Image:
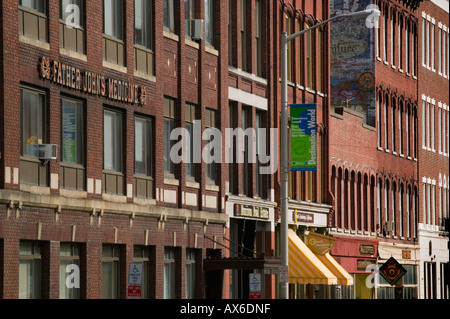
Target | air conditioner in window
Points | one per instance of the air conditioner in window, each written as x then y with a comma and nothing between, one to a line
389,226
47,151
196,29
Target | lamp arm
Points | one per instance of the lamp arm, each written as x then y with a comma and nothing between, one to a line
295,35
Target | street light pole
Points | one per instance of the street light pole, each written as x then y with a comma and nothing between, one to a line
284,149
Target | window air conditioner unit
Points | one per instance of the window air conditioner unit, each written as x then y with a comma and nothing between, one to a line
47,151
389,226
196,29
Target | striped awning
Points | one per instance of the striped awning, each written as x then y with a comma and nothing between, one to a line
344,278
305,267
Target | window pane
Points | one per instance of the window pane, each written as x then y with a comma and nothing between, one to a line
65,12
168,127
168,15
38,5
72,132
113,18
112,141
143,23
143,147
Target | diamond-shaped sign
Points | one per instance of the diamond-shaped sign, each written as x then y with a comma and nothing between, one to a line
392,271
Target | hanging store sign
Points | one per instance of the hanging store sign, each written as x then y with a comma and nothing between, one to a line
304,137
319,244
91,83
392,271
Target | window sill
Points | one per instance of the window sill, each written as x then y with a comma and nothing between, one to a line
188,41
34,189
191,184
212,187
34,42
171,181
169,35
211,50
386,62
115,67
73,54
393,67
145,76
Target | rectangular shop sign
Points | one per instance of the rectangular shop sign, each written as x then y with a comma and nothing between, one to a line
304,137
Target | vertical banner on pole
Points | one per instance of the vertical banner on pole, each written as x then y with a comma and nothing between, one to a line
303,137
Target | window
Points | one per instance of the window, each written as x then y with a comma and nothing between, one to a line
320,59
245,150
110,272
169,273
69,255
143,36
143,129
428,127
258,52
72,131
385,123
244,35
230,32
428,43
290,57
392,40
414,51
142,255
432,46
424,120
190,274
113,21
379,121
143,23
33,21
113,29
38,5
400,43
408,152
400,128
190,118
430,285
71,36
169,126
444,55
211,173
440,51
309,58
259,141
168,11
394,146
209,22
385,36
30,270
440,131
112,141
33,121
189,14
423,41
65,11
407,48
432,126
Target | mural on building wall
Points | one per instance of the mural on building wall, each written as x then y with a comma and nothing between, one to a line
352,61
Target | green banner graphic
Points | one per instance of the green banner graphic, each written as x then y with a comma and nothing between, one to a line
303,137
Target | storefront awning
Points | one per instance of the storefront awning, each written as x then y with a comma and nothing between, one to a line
344,278
305,267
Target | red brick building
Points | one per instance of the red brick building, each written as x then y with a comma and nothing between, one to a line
106,92
374,149
433,155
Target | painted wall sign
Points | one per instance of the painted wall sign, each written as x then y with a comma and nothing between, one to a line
91,83
353,61
303,137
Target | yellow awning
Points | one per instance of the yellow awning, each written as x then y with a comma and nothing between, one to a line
342,275
304,266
